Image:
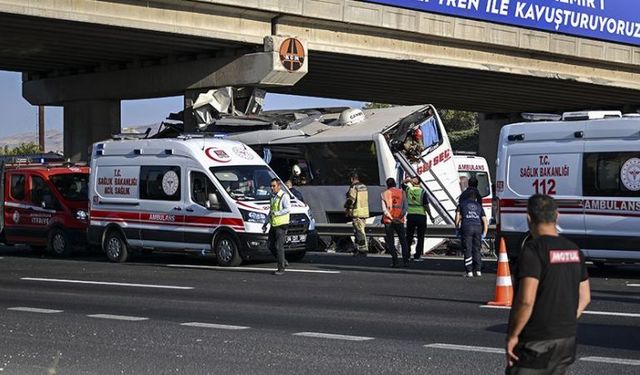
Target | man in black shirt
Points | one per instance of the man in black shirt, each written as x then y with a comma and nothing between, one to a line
553,292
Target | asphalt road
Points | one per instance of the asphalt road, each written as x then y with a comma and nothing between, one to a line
330,314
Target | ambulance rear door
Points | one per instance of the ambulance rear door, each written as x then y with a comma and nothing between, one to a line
545,158
611,187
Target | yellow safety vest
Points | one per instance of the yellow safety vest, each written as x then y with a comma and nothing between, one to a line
414,201
361,208
278,220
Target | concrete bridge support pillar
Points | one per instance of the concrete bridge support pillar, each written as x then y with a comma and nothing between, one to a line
86,122
490,125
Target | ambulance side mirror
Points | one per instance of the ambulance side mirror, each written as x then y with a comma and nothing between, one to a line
213,203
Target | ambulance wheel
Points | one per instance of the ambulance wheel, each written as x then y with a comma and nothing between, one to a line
115,247
59,243
227,252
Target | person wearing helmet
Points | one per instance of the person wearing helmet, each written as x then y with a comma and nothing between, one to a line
297,178
357,209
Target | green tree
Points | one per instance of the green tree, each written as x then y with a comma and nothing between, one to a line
22,149
463,129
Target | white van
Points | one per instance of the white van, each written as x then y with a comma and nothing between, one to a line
476,166
590,163
202,195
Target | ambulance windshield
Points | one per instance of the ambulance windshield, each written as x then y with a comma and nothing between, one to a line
245,182
72,186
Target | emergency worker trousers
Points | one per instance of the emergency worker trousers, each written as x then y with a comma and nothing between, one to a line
360,235
391,229
277,238
416,223
472,240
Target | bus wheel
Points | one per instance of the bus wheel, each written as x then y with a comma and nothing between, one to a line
59,243
227,252
115,247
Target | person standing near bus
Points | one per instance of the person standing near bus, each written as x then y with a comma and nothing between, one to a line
471,219
357,209
417,210
278,217
394,208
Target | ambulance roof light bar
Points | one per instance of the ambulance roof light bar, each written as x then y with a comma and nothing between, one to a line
590,115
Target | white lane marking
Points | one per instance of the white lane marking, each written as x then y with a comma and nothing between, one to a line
34,310
215,326
106,283
468,348
118,317
248,268
617,361
332,336
630,315
627,284
495,307
588,312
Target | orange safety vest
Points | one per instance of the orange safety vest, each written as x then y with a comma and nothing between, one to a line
393,199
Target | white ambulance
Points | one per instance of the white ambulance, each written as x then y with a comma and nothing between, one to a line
473,166
188,194
590,163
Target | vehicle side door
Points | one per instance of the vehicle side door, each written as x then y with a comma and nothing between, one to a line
16,207
201,216
43,207
546,163
161,206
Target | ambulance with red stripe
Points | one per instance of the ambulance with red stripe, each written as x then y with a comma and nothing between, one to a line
188,194
590,163
473,166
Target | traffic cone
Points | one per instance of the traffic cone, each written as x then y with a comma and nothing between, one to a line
504,289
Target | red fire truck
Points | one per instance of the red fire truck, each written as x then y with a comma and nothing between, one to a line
44,205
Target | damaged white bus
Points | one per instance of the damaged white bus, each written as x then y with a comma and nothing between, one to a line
319,150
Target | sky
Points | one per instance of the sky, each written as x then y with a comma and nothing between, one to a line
18,116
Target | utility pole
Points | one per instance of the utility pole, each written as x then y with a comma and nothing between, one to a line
41,127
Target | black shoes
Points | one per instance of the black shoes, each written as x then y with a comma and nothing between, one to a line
360,254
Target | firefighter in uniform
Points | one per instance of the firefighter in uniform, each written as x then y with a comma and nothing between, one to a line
279,219
418,208
394,207
357,209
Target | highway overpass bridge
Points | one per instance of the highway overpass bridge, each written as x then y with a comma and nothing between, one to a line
88,55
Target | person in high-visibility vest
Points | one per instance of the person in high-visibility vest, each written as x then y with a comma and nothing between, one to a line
417,210
394,208
357,209
278,218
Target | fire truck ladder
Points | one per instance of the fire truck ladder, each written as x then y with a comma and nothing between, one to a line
439,198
